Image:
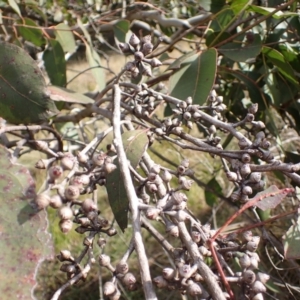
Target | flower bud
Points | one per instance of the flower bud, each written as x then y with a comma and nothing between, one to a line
246,158
253,108
65,213
72,192
232,176
56,201
258,296
88,205
172,230
248,276
252,246
68,161
196,237
244,261
104,260
263,277
65,225
255,177
258,287
138,56
55,172
42,200
155,62
193,289
168,273
122,267
129,279
98,159
152,213
147,48
134,41
245,170
247,190
65,255
160,282
109,288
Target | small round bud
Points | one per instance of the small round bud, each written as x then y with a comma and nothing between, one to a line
255,177
104,260
187,116
72,192
155,62
263,277
168,273
122,267
172,230
82,158
235,196
232,176
247,235
98,159
193,289
56,201
111,231
147,48
178,197
203,250
124,47
258,296
109,288
247,190
55,172
42,200
252,246
245,261
134,40
258,287
245,170
166,176
160,282
246,158
109,167
152,213
138,56
253,108
101,242
65,254
129,279
248,276
65,213
68,161
189,100
185,271
249,118
88,205
65,225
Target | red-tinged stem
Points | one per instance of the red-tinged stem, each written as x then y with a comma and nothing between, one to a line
247,205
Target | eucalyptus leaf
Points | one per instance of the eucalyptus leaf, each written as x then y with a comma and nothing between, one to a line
135,143
196,76
22,86
33,35
66,38
55,64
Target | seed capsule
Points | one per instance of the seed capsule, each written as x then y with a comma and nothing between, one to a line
42,200
248,276
88,205
72,192
55,172
56,201
65,225
68,161
65,213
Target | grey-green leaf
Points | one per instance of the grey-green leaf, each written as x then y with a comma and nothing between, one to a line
22,86
196,76
66,38
135,143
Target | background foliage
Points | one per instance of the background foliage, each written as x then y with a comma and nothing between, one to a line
247,50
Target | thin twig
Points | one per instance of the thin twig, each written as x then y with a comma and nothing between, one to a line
133,200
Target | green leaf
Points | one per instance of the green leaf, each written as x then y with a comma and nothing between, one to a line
120,30
215,38
65,36
33,35
196,76
291,241
13,4
239,6
222,20
267,10
178,62
212,191
240,50
55,64
276,58
22,86
24,242
135,143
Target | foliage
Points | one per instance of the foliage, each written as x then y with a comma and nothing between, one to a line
215,82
